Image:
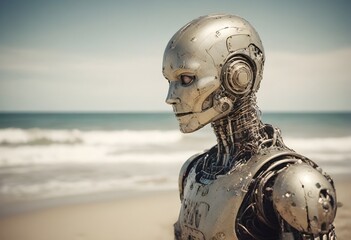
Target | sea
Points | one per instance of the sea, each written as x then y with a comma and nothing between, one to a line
47,159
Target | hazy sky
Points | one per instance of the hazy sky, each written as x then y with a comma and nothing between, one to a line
107,55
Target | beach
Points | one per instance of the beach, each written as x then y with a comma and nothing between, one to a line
147,217
101,176
144,217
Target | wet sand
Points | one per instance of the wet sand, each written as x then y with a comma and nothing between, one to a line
149,216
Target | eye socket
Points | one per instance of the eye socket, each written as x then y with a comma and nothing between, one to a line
186,79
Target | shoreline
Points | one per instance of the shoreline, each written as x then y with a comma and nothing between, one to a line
148,216
32,206
134,215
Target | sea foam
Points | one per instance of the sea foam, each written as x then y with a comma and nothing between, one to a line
43,163
16,136
42,146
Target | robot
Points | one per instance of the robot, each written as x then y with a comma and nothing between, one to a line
250,185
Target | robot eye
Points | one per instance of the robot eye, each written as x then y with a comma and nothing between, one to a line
186,79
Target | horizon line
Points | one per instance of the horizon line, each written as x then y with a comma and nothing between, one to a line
149,112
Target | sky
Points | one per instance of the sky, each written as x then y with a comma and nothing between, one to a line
107,55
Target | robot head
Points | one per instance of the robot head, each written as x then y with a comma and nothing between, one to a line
210,63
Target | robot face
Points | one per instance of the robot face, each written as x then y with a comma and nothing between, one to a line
193,61
190,89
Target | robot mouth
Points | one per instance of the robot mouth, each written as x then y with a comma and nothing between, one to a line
183,114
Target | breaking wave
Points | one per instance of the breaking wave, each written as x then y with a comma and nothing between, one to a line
20,137
44,163
45,146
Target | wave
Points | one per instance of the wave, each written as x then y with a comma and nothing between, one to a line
51,188
21,147
332,153
43,137
43,163
322,145
36,136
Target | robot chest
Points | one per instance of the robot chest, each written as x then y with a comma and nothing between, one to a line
210,211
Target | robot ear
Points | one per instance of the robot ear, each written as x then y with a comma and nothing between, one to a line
238,75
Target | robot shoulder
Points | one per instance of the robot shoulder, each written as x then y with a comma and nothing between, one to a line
184,171
305,198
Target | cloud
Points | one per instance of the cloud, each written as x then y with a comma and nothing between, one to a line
306,82
49,80
50,63
67,82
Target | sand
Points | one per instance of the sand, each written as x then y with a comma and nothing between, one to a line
149,216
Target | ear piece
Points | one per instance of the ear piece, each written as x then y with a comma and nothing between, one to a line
223,105
237,75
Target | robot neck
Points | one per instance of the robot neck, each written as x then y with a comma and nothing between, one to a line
240,130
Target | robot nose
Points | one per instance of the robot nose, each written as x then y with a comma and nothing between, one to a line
172,101
171,98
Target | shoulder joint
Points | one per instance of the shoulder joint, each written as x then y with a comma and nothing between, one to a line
305,198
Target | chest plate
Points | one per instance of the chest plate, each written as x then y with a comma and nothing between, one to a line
209,211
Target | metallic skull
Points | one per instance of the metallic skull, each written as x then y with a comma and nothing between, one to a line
200,56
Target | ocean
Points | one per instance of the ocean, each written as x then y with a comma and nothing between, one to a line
50,158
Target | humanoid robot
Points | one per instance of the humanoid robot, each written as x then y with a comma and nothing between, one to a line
250,185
